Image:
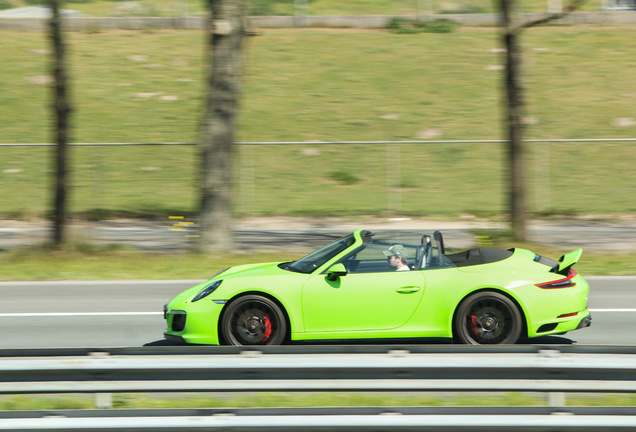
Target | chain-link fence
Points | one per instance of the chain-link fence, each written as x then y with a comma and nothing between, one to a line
421,178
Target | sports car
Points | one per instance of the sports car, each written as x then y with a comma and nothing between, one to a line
387,286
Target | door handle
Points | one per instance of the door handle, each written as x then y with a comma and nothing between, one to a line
408,289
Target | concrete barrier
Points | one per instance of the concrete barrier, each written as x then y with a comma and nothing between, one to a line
618,18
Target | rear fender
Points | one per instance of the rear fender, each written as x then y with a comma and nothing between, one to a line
507,293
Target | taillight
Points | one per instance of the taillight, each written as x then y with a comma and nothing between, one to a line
561,283
568,315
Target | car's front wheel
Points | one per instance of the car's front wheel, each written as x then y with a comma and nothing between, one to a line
253,320
488,317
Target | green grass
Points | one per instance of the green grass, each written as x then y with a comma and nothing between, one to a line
96,8
115,264
326,85
299,400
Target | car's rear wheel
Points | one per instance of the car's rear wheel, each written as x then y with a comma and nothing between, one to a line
253,320
488,317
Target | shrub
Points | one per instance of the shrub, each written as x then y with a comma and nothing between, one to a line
266,7
344,177
408,25
441,25
5,4
134,9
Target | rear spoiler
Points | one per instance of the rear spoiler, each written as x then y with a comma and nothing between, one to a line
567,261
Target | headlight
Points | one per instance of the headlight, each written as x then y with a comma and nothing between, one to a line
207,290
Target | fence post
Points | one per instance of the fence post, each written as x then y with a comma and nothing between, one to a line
542,176
556,399
301,13
104,400
393,179
424,8
247,196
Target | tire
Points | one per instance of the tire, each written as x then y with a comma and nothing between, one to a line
488,317
253,320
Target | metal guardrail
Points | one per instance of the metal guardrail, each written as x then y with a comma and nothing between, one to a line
306,368
394,419
549,371
324,368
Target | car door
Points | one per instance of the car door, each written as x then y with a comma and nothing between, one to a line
369,301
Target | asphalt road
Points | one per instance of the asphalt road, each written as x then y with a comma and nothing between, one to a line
128,313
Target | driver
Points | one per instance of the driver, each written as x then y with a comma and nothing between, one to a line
396,255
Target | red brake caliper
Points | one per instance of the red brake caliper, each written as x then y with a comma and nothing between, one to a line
267,324
473,325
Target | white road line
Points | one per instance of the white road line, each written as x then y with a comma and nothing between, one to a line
75,314
612,310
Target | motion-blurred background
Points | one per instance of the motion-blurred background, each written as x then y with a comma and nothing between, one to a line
333,122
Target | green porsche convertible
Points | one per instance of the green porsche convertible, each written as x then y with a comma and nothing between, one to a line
385,286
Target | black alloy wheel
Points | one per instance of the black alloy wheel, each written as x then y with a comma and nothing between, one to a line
253,320
487,317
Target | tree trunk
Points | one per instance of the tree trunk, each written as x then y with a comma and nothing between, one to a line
514,120
61,108
226,36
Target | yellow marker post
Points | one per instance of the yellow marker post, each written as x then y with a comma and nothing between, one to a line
182,225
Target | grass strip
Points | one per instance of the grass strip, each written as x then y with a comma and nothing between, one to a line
121,264
272,400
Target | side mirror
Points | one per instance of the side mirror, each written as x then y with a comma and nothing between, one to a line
336,271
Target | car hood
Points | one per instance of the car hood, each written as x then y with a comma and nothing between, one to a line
241,271
259,269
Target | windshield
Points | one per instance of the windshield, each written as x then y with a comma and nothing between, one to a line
316,259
